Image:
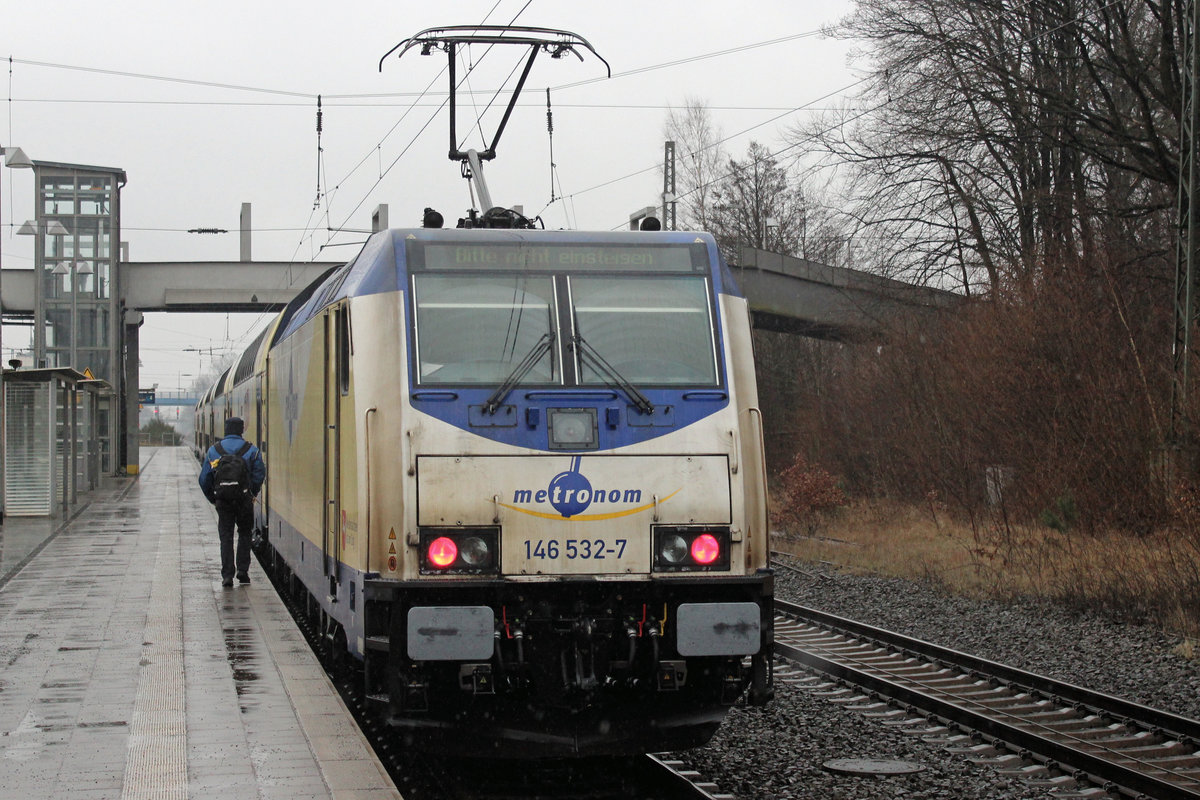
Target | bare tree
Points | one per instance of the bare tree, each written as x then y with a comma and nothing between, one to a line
700,160
1025,150
758,203
998,142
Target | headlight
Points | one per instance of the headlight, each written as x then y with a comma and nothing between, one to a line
572,428
475,551
673,548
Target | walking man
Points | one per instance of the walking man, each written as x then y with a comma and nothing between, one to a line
231,478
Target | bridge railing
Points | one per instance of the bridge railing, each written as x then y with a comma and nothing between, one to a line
180,398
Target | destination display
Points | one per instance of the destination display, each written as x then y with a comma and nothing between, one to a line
554,257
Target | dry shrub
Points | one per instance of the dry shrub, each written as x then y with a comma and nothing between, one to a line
1051,400
1184,504
806,494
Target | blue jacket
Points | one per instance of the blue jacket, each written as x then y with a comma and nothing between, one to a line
253,459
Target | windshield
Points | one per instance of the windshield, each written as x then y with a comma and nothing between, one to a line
651,330
503,329
476,329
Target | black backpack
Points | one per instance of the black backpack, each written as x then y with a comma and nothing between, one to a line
231,475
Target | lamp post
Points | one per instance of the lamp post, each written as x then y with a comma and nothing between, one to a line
13,157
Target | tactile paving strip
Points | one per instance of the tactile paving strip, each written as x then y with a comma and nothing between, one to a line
157,764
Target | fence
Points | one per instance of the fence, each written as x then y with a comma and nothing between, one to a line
159,439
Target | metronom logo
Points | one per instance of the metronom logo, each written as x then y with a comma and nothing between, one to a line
570,493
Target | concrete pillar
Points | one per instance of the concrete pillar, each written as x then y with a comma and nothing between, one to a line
73,473
65,399
130,454
379,218
245,249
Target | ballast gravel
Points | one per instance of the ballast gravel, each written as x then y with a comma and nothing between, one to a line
780,751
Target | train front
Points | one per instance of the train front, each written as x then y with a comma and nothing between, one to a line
583,563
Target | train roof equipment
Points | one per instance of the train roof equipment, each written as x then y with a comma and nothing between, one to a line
551,40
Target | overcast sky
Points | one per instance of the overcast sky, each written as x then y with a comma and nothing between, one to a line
209,105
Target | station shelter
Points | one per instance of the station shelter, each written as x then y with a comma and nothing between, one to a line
57,421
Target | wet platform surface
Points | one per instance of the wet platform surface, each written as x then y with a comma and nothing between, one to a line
128,671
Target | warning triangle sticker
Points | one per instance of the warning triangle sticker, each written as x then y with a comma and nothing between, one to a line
392,533
392,549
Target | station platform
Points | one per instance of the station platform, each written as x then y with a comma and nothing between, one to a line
128,671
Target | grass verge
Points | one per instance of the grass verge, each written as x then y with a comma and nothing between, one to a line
1153,579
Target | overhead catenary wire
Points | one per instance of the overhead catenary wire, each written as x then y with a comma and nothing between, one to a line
376,95
247,104
495,93
464,54
326,97
308,232
312,95
146,76
378,148
426,92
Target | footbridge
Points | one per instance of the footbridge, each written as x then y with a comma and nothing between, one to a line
795,295
192,286
785,293
788,294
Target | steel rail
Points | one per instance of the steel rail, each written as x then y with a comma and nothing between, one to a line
680,781
1006,729
1121,710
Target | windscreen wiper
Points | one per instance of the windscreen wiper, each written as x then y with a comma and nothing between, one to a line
589,354
539,349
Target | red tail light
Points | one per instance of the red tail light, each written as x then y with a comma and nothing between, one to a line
460,550
705,549
442,552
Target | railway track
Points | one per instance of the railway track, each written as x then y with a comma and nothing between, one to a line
617,778
422,776
1048,731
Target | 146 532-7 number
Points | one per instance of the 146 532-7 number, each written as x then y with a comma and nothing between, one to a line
574,548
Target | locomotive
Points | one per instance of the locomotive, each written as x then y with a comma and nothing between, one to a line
517,478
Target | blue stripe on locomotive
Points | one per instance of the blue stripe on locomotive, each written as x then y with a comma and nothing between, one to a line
381,267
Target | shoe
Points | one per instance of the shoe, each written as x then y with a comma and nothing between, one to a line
227,581
243,577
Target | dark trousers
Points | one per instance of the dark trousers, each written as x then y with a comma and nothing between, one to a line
240,514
